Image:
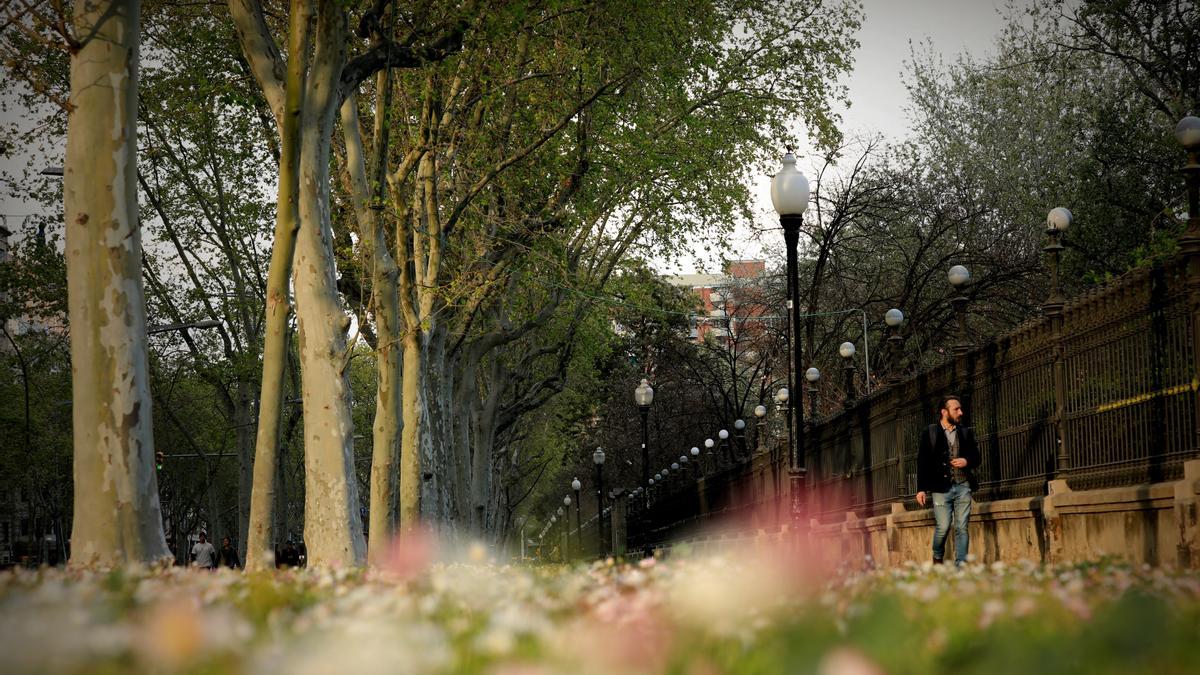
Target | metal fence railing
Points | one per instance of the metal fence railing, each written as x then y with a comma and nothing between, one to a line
1121,357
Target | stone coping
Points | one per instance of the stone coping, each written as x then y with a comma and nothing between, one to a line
1133,497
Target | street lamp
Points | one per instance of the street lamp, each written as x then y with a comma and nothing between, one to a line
894,318
847,351
643,395
577,486
739,431
789,196
723,453
1057,222
598,460
566,528
959,277
760,413
812,375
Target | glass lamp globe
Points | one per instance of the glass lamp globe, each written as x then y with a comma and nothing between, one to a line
674,466
760,411
812,374
1187,132
893,317
1059,219
683,459
708,443
598,456
567,500
789,189
576,485
695,451
739,424
722,434
644,394
846,350
958,275
781,396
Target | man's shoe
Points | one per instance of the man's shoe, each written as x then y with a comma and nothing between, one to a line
938,561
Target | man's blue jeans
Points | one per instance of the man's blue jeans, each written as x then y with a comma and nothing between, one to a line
958,502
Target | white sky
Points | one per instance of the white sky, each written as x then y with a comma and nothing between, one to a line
876,89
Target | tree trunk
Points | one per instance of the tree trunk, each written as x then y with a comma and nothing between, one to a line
332,527
117,517
410,441
243,420
385,300
260,545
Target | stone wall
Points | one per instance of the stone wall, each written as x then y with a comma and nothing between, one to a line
1156,524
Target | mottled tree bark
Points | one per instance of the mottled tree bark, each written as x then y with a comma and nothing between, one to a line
385,301
332,528
261,535
117,516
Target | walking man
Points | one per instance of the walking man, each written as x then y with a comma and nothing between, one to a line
946,461
203,553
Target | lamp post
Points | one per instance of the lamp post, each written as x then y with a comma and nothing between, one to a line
760,414
1057,222
695,453
813,375
894,318
643,395
782,396
563,538
598,460
959,277
708,454
576,485
1187,132
567,503
789,196
739,432
723,452
846,350
781,403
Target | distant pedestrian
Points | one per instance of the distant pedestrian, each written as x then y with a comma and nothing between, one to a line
203,553
946,461
229,555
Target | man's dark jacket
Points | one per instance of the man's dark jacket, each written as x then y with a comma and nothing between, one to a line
933,459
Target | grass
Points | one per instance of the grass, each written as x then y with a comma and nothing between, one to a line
772,613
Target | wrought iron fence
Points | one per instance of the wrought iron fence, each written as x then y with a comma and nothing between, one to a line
1128,415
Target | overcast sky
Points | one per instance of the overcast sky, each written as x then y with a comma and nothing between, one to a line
876,88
